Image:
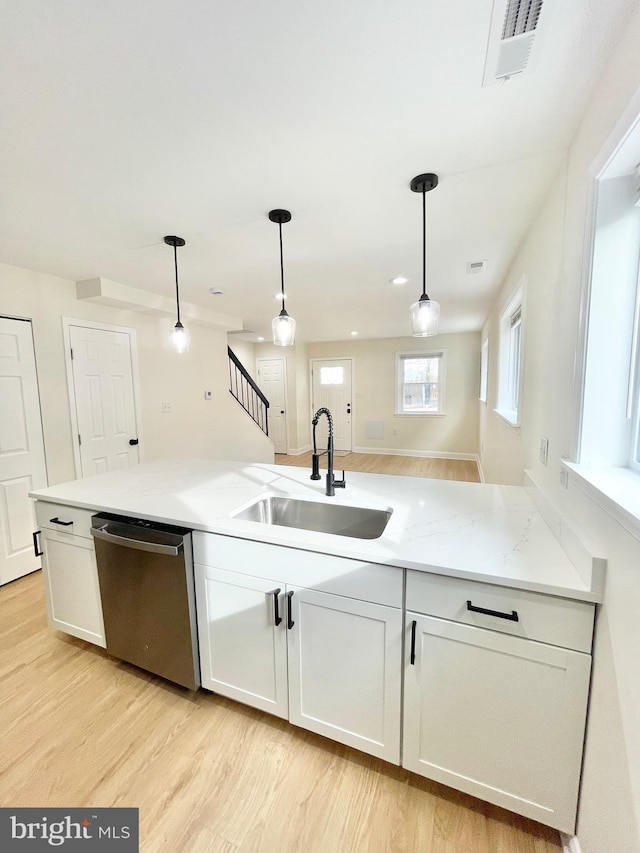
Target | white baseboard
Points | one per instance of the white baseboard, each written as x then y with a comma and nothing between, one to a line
570,843
428,454
298,451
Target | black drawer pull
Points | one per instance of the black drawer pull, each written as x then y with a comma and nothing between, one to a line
512,617
36,546
277,618
56,520
413,642
290,622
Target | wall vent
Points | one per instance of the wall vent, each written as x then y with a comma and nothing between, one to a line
514,29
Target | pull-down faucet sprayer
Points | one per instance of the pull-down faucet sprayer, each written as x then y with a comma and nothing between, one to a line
332,483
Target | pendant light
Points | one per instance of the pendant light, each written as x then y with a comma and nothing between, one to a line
424,312
180,335
283,326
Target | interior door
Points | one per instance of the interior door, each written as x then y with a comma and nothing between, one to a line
332,389
273,384
104,396
22,463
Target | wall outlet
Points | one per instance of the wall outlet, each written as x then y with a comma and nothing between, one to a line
544,450
166,407
207,395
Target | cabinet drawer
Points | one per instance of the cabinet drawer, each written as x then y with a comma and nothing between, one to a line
324,572
546,618
80,518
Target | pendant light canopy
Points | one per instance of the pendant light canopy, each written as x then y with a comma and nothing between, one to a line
180,335
283,326
425,312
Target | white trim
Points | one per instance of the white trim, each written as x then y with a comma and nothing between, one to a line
514,423
614,490
570,843
67,322
428,454
513,304
298,451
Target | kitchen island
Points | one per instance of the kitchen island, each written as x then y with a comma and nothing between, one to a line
457,643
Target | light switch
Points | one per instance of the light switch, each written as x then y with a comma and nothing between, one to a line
207,395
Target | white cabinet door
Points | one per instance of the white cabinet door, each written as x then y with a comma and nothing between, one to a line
496,716
72,589
243,652
344,672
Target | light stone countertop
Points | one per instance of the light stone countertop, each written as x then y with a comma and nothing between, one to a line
480,532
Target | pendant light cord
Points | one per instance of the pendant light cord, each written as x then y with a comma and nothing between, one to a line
175,261
281,268
424,244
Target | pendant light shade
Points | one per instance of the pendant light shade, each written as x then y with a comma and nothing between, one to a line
425,312
180,339
283,326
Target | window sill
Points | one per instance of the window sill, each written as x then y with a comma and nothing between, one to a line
615,490
419,414
510,417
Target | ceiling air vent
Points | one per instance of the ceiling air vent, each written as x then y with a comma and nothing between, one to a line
514,28
476,266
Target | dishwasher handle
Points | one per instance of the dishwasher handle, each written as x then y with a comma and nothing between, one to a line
136,544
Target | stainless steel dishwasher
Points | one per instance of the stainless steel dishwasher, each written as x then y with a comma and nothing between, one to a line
147,591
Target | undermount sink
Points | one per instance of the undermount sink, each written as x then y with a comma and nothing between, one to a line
355,521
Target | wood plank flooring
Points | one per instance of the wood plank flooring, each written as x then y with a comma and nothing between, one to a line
406,466
209,775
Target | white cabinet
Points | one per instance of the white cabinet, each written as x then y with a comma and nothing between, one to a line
328,662
243,652
70,574
498,716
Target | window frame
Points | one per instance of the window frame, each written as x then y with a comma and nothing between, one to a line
484,370
511,358
401,358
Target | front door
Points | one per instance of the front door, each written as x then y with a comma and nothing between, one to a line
331,383
22,464
273,384
104,399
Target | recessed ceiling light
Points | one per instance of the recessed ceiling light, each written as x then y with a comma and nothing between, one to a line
215,291
399,279
281,296
354,333
260,340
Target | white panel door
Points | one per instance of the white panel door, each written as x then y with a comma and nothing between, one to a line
243,639
22,464
345,661
272,382
104,395
498,717
332,390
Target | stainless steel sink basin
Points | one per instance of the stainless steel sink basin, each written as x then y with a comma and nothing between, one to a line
356,521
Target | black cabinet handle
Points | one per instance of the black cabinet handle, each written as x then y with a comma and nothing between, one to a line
56,520
36,544
133,441
290,622
413,642
512,617
277,618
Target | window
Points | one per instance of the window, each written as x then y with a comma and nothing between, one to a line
510,365
332,375
484,369
420,383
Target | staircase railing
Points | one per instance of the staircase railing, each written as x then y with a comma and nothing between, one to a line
247,393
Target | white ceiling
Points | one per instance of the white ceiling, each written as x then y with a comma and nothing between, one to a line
125,121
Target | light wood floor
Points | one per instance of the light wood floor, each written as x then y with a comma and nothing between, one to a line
406,466
209,775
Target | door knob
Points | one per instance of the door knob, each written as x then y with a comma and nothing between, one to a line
133,441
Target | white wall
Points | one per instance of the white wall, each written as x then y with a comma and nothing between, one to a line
195,427
374,398
552,258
